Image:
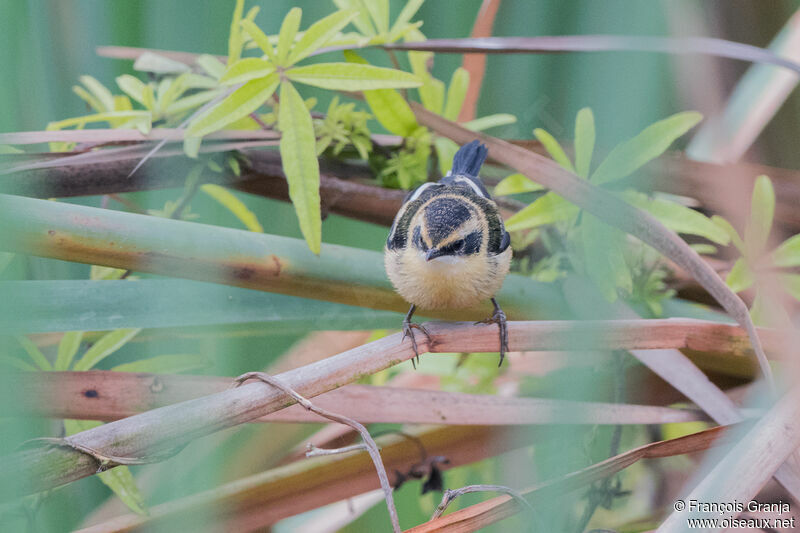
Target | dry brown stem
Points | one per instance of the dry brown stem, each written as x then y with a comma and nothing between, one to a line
369,443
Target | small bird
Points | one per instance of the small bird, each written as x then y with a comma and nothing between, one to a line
448,247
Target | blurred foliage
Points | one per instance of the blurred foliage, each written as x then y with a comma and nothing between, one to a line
768,272
51,44
591,247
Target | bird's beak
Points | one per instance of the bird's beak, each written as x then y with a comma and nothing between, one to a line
433,253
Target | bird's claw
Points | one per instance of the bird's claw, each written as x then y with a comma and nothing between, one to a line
499,318
407,332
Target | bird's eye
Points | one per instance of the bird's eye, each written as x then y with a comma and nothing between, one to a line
458,245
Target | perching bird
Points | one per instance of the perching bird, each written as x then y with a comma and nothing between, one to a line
448,247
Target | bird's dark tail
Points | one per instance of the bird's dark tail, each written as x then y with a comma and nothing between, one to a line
469,158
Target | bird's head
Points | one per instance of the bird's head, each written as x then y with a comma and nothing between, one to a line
447,228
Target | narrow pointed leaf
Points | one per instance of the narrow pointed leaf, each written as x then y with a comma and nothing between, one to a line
351,77
379,13
740,277
363,21
289,27
165,364
213,66
235,35
153,62
233,204
89,98
34,353
108,344
319,33
653,141
99,91
187,103
445,151
245,70
726,226
237,105
406,14
490,121
392,111
260,39
584,141
679,218
515,184
456,92
547,209
788,253
300,163
762,210
431,92
553,148
132,86
67,349
388,106
119,479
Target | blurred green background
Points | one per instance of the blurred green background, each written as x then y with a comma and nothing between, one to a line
47,44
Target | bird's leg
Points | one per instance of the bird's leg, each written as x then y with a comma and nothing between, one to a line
407,327
499,318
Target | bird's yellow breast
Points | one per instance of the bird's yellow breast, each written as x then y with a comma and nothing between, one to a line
449,282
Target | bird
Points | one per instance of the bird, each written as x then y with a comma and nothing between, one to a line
448,247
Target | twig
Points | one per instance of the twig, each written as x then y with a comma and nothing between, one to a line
369,443
450,495
481,515
261,124
313,451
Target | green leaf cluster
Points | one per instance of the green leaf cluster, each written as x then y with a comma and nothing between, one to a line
250,92
757,267
341,127
600,251
372,21
254,81
408,167
164,102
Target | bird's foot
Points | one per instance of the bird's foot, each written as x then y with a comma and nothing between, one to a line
407,332
499,318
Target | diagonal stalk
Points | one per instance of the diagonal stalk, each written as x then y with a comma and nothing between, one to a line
611,210
149,435
234,257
